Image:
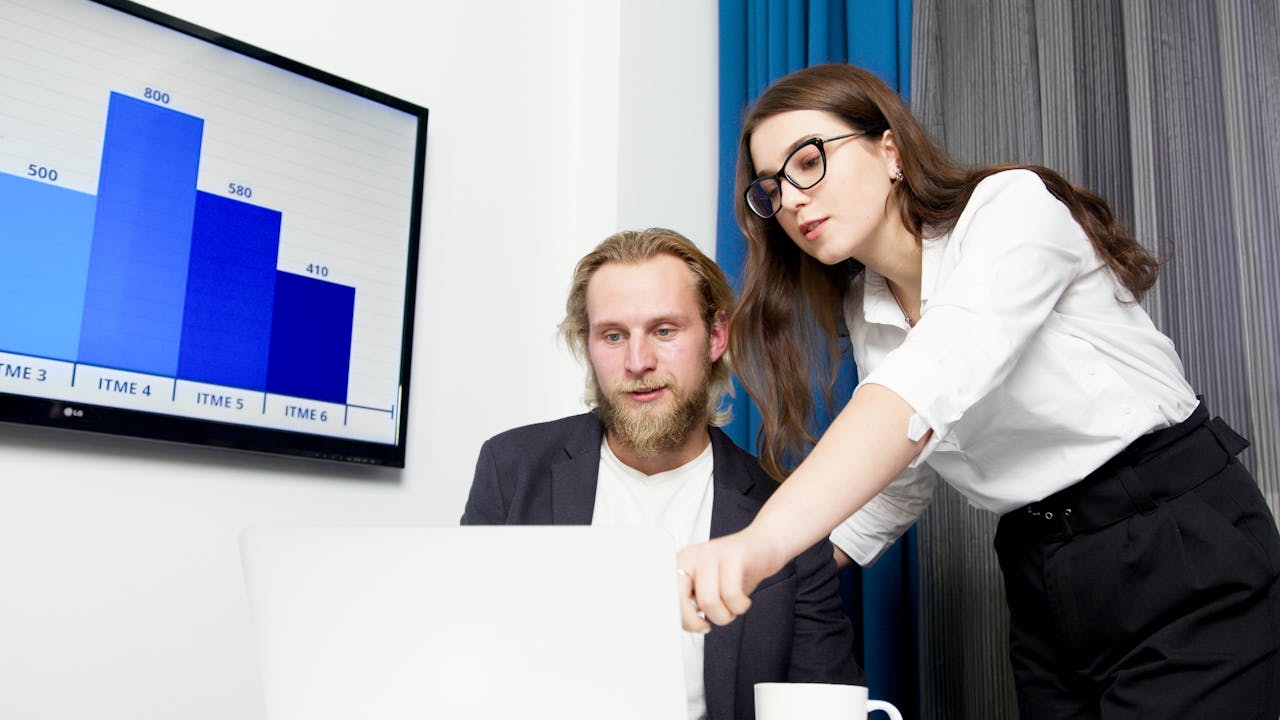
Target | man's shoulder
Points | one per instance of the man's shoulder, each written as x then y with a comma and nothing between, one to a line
550,432
739,466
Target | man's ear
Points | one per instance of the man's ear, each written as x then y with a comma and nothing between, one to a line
719,340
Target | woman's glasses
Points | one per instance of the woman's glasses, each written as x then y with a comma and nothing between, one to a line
803,168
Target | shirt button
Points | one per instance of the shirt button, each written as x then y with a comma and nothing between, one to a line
1128,411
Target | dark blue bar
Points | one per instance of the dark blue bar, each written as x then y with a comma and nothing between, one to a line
44,259
226,327
141,238
311,338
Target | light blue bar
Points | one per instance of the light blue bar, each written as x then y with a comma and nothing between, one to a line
44,259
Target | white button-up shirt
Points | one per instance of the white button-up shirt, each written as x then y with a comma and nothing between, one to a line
1027,362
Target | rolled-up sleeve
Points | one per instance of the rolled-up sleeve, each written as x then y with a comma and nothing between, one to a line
1011,256
869,532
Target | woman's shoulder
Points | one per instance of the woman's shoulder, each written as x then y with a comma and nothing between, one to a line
1017,183
1012,199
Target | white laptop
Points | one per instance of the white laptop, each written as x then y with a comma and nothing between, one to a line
391,623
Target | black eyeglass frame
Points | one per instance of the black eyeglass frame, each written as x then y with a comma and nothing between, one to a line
781,175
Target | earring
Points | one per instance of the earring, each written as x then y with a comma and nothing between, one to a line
897,175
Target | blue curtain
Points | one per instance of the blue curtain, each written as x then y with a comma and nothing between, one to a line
760,41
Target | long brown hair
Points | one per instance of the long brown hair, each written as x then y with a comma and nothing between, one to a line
785,334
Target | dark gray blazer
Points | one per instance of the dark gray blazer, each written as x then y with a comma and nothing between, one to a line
545,474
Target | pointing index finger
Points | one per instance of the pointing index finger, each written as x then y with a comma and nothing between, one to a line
691,618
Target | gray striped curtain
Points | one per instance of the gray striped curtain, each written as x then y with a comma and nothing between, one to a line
1170,109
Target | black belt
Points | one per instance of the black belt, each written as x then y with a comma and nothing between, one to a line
1158,466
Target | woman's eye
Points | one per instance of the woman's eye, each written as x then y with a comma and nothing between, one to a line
612,337
808,158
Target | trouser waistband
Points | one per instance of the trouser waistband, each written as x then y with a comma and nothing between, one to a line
1158,466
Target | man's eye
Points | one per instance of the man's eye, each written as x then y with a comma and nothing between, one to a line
612,337
666,332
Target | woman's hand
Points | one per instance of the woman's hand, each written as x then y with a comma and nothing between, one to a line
716,577
865,448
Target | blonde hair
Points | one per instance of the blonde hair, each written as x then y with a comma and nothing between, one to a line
636,246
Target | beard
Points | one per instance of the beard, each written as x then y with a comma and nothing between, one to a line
646,431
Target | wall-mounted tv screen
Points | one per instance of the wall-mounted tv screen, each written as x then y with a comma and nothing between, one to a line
201,241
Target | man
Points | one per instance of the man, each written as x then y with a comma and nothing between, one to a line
649,314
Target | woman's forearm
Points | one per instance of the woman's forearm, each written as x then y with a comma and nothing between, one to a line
862,451
865,448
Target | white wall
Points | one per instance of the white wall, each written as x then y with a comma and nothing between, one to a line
553,123
668,124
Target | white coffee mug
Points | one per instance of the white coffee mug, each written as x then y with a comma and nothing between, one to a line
817,701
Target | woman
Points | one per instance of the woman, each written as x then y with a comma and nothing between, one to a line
993,315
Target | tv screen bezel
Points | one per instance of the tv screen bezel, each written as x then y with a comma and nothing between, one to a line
64,414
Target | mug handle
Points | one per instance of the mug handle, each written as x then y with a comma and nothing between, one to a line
890,710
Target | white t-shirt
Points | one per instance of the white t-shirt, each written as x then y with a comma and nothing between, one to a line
677,500
1026,363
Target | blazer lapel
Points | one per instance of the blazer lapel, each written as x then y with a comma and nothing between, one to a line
573,480
732,509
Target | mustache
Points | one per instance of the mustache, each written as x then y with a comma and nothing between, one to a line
647,383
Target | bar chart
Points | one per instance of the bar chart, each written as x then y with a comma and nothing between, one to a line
168,281
210,239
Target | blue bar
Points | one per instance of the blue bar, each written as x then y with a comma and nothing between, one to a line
141,238
44,260
226,326
311,338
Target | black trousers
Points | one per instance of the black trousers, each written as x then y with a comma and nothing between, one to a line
1149,589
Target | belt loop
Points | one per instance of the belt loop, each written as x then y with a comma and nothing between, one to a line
1136,490
1227,437
1064,519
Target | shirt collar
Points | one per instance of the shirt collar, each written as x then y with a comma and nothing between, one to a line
931,252
878,304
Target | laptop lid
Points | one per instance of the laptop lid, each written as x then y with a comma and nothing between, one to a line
385,623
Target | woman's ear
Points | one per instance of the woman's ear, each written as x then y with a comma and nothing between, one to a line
893,164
